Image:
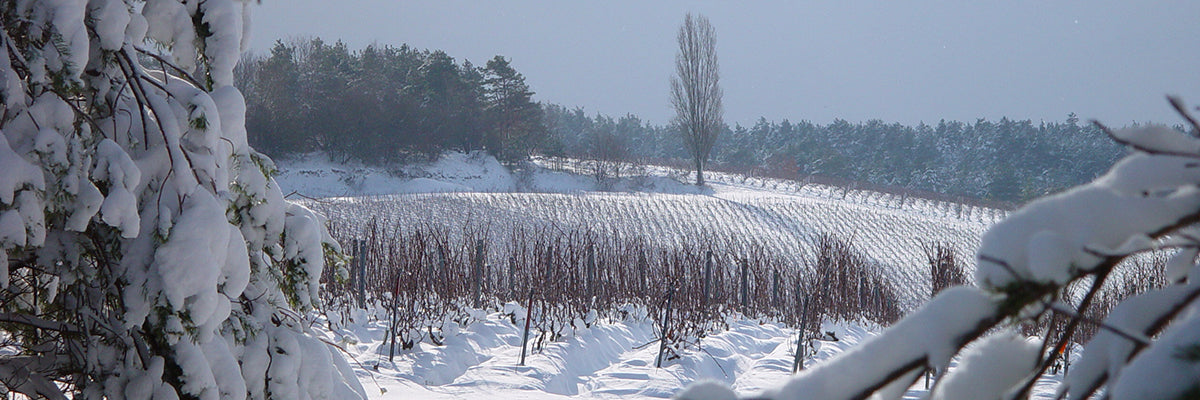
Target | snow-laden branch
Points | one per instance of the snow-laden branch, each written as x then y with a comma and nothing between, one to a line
926,339
26,375
40,323
1025,261
141,215
1107,354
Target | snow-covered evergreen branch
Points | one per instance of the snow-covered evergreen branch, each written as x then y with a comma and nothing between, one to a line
144,242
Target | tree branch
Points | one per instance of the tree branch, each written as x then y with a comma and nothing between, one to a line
1177,104
36,322
164,61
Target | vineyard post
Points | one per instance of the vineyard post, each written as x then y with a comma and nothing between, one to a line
642,272
428,267
1066,357
745,284
591,271
775,290
442,262
718,282
360,260
395,306
798,363
512,273
708,263
662,347
525,336
478,273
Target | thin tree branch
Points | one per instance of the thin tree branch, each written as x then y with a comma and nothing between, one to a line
1133,337
1177,103
182,72
1157,326
36,322
1101,276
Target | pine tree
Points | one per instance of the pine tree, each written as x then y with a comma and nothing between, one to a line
516,121
148,252
273,122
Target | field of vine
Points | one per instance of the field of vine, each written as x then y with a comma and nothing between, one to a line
891,232
687,267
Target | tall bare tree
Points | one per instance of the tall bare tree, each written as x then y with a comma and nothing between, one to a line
696,90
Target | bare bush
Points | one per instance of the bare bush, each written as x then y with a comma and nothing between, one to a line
845,285
944,270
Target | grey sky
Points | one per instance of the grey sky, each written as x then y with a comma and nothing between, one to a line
899,61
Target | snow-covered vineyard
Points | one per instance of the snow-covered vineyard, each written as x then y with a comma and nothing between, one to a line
473,352
893,232
152,253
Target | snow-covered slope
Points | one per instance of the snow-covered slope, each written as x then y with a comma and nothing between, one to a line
784,218
612,359
315,175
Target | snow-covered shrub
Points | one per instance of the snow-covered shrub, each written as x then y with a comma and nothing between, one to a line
1146,348
148,252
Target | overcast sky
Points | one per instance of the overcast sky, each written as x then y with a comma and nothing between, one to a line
899,61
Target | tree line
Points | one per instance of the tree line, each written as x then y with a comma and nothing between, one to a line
1007,160
383,103
386,104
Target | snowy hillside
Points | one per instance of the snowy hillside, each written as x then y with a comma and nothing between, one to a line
314,175
609,359
783,217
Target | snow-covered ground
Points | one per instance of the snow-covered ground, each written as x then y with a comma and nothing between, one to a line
610,359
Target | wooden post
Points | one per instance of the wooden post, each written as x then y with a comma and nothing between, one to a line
775,290
512,274
666,323
428,279
361,272
708,263
477,295
798,363
525,336
395,306
590,283
1066,356
718,281
642,265
745,284
443,264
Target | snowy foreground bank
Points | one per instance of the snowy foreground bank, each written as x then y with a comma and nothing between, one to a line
610,359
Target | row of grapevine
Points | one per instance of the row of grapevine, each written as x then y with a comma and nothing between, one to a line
786,226
431,279
435,260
